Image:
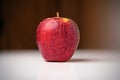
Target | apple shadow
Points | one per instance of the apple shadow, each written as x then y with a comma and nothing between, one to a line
82,60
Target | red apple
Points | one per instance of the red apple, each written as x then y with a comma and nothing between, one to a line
57,38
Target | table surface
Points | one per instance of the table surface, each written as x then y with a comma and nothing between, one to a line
84,65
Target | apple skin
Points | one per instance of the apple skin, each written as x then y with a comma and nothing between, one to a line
57,38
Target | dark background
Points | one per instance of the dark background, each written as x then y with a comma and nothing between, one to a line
98,21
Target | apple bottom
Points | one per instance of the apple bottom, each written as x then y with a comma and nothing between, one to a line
57,60
57,57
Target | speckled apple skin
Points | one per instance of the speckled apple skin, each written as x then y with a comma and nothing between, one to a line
57,38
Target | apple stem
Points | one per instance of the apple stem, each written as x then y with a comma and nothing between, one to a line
57,14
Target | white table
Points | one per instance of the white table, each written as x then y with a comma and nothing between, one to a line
84,65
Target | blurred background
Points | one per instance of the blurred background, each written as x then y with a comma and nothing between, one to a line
98,21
